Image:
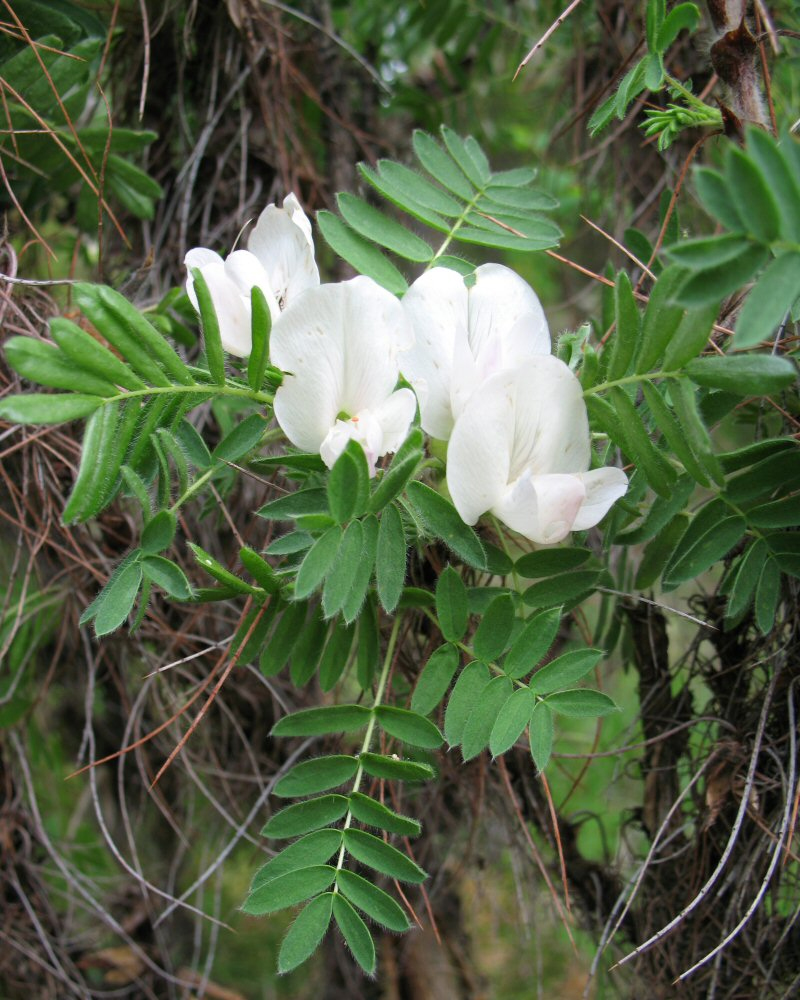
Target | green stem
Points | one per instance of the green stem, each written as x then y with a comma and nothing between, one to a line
365,745
691,99
629,380
456,226
200,390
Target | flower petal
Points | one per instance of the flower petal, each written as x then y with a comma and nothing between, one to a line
298,216
198,257
551,427
284,248
542,508
436,305
603,487
506,320
479,451
395,416
338,343
232,309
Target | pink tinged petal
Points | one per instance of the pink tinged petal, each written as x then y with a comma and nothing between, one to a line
286,253
603,488
436,305
395,416
338,342
551,433
479,451
542,508
506,319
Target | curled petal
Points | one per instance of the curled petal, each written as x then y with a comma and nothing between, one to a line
394,417
281,240
364,428
542,508
603,487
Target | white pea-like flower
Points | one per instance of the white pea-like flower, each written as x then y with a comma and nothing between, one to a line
465,331
279,259
521,449
339,345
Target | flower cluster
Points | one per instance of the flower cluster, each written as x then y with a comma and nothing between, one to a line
476,351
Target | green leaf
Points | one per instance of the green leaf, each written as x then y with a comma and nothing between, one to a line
348,484
100,459
360,253
709,251
260,327
411,187
215,355
47,408
783,513
662,510
168,576
540,735
717,198
410,727
373,813
437,162
481,720
313,849
581,703
310,501
321,721
336,655
290,543
306,933
308,648
769,301
374,853
451,604
532,643
780,470
288,890
137,340
743,374
390,559
358,588
655,11
659,552
781,178
241,440
560,589
442,520
686,405
784,547
43,363
317,562
302,817
340,578
90,355
752,195
373,901
673,433
683,15
545,562
435,678
715,283
115,602
467,693
525,199
494,631
377,227
287,632
218,571
711,535
394,480
661,318
626,336
399,194
691,336
260,570
159,532
565,670
746,579
394,769
511,720
354,931
768,593
317,775
468,155
636,442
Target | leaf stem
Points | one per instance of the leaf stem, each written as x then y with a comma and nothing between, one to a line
629,380
200,390
365,745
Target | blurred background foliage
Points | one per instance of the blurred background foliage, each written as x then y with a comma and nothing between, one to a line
131,131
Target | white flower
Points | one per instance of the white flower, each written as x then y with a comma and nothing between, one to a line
339,345
279,260
465,334
521,449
